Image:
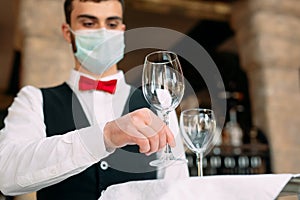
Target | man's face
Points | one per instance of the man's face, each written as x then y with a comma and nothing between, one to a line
91,15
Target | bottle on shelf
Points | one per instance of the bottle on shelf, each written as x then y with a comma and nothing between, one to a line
233,133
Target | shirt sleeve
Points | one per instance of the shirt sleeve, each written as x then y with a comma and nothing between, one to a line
29,160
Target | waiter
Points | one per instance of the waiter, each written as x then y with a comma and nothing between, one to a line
74,140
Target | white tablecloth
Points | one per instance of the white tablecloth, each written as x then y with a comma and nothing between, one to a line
239,187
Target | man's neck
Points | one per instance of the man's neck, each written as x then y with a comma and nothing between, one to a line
110,71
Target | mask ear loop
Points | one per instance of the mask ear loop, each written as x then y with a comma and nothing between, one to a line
71,30
73,43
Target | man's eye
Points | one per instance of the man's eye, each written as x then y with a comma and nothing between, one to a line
88,24
112,25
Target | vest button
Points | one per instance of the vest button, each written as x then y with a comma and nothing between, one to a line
104,165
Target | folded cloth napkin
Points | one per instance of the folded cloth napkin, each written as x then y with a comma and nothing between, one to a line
233,187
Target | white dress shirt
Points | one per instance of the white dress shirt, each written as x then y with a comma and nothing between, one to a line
30,161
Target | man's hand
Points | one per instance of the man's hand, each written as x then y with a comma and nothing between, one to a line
141,127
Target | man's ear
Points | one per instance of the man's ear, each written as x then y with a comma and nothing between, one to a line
66,32
69,37
123,27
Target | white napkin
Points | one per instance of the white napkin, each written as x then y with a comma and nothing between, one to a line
164,98
233,187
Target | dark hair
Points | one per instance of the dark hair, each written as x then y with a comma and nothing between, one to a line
68,7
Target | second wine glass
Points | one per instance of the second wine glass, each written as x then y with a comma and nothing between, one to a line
198,128
163,88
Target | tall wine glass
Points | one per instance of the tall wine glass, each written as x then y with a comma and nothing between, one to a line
163,88
198,128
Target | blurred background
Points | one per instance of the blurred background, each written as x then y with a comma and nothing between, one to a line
254,43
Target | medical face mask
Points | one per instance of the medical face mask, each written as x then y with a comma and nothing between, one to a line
99,49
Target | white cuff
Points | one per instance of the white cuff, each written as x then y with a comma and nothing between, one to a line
92,137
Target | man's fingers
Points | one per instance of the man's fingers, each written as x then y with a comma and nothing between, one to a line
143,143
152,127
142,127
162,141
170,137
152,136
154,144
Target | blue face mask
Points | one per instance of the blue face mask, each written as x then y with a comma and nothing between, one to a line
99,49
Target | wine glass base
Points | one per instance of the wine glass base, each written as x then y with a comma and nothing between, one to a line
167,160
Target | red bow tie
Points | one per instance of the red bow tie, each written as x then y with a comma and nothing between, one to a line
89,84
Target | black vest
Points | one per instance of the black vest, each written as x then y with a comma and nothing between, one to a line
63,113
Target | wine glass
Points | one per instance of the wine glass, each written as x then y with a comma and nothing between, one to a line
163,88
198,128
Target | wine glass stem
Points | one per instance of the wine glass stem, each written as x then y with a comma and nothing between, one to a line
200,164
166,120
166,117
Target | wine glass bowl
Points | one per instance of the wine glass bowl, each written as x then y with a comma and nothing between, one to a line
198,129
163,89
163,81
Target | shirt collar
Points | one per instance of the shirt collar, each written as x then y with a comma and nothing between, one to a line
75,76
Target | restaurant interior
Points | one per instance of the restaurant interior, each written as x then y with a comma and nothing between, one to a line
255,45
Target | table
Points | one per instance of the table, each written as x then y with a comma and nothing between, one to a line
292,187
234,187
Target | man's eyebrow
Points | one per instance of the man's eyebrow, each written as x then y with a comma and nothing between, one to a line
87,16
115,18
95,18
